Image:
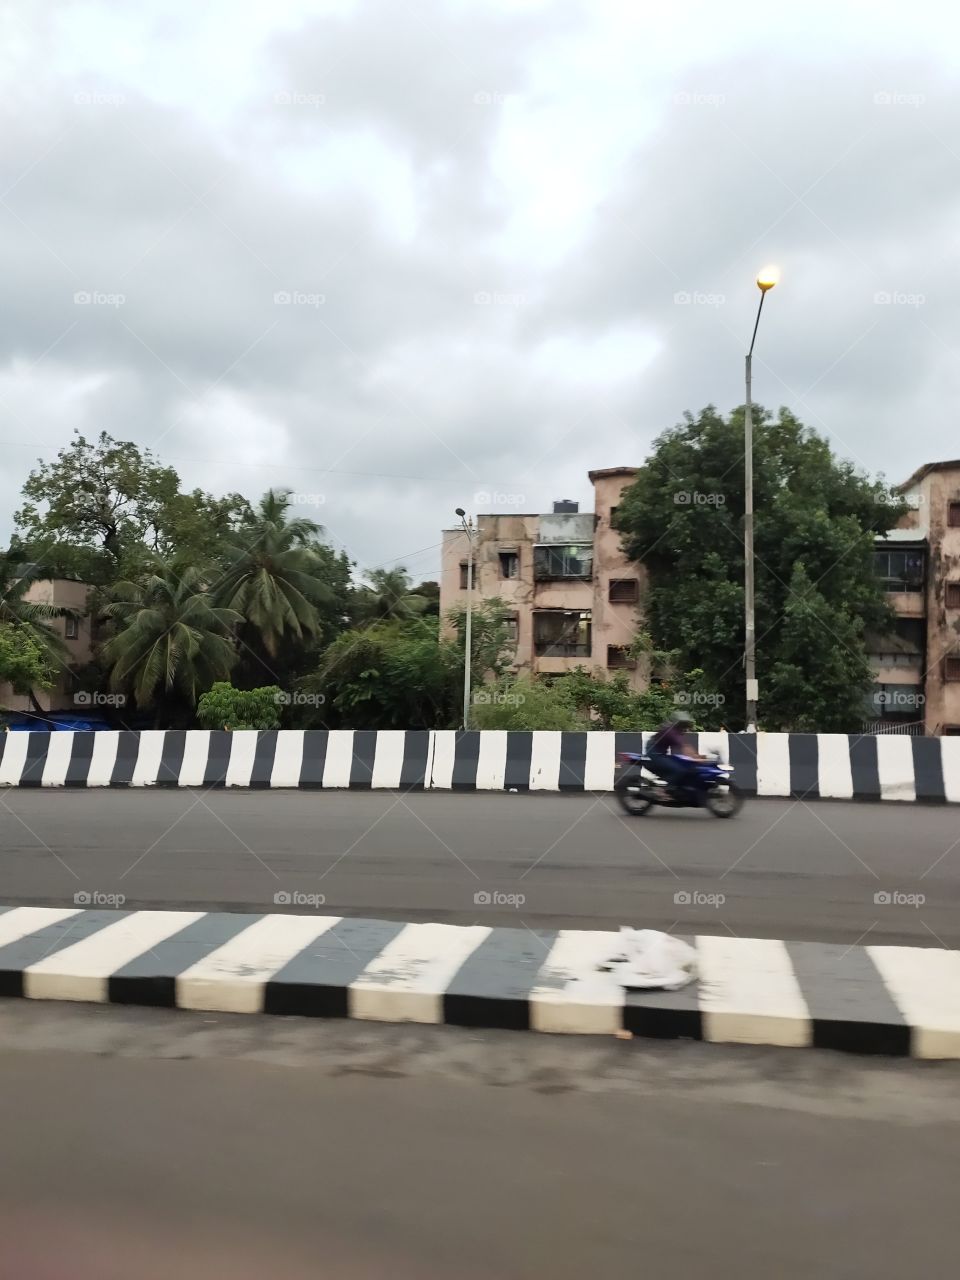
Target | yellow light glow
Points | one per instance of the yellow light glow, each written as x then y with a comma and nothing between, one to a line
767,277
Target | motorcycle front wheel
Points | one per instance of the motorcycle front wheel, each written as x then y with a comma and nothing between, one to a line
725,801
632,793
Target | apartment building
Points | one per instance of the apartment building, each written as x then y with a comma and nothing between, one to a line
572,594
76,632
918,666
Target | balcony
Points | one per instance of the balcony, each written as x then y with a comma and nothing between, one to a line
562,633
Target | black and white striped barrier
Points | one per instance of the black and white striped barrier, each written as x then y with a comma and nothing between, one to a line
821,765
875,999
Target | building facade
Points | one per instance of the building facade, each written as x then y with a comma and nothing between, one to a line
918,666
77,636
572,594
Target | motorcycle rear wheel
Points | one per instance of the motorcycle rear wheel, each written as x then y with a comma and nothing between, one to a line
725,801
632,793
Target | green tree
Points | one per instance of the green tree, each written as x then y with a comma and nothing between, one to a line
816,517
273,578
172,642
30,617
104,506
23,662
525,702
388,595
224,707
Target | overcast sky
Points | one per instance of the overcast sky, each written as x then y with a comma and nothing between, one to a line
408,255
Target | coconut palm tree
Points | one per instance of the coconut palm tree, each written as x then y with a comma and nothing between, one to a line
172,641
271,577
388,596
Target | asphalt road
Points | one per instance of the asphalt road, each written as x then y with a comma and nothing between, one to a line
162,1144
787,869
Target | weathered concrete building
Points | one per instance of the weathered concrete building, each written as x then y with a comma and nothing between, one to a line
572,593
76,632
918,666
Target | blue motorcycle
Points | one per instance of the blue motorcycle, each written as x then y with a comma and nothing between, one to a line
708,784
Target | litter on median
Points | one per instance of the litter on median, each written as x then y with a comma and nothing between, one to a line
648,958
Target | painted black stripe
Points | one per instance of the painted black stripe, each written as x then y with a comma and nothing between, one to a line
743,757
218,758
416,746
519,761
81,753
664,1015
492,987
263,759
628,742
849,1004
928,769
171,759
864,767
37,745
573,761
128,749
151,978
19,955
364,754
466,761
804,751
315,982
314,757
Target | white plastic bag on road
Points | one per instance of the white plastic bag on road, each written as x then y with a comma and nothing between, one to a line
648,958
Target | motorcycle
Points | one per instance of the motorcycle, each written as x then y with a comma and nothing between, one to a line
708,785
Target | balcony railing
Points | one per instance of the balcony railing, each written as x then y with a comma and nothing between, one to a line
561,649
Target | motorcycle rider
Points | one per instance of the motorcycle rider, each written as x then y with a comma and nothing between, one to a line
668,752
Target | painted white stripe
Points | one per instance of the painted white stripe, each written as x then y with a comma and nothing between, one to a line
58,759
287,759
388,759
243,753
834,773
719,742
545,760
600,763
492,760
232,978
443,750
773,764
950,762
147,769
14,758
106,743
406,981
924,984
23,921
194,764
571,995
895,766
749,993
339,758
80,972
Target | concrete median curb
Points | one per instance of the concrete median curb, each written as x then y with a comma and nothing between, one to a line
827,766
901,1001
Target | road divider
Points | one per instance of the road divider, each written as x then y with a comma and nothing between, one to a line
877,999
806,765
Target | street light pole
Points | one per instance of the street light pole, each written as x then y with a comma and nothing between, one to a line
767,278
469,530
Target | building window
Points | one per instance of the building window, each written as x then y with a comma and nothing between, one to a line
951,667
951,730
562,633
464,584
618,655
953,515
512,624
900,571
509,564
952,595
613,513
899,700
574,561
71,627
624,591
